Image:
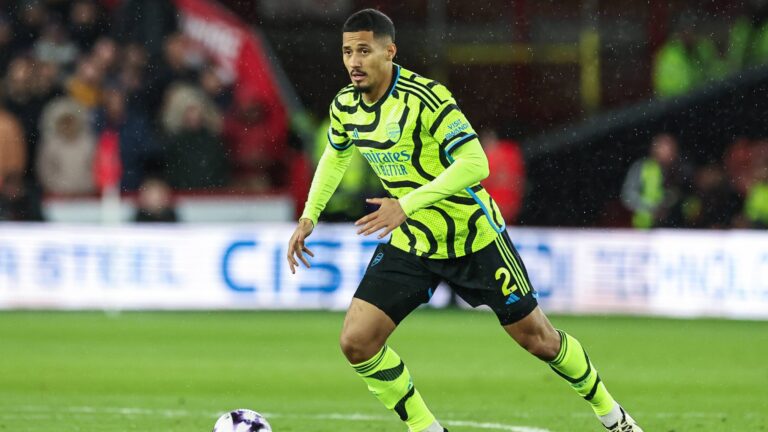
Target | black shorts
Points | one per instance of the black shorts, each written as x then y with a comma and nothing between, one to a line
397,282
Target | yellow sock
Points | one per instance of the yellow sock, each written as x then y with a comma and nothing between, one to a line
389,380
572,363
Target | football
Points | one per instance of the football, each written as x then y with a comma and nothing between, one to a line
242,420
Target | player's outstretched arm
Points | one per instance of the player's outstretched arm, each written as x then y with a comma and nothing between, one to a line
296,246
330,170
470,165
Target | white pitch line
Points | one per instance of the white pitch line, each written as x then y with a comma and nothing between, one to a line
356,417
494,426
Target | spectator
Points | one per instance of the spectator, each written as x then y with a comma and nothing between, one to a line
182,60
131,129
179,98
756,204
13,152
45,83
105,54
58,8
748,38
6,41
179,65
132,75
740,159
54,46
135,56
86,23
85,85
19,200
194,153
506,183
67,146
155,202
31,16
686,60
217,87
654,184
146,22
738,165
713,203
22,99
257,142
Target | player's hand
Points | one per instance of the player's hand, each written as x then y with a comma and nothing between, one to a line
389,216
296,247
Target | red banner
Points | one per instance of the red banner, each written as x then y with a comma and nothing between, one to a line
238,52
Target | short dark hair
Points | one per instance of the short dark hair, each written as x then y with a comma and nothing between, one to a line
370,20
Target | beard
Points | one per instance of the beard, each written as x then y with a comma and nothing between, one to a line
363,88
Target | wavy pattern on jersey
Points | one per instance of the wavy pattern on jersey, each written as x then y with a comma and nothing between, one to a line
418,93
415,77
418,145
450,225
427,233
440,117
411,238
412,82
348,89
335,117
376,144
397,184
339,134
444,159
492,205
349,109
472,227
349,127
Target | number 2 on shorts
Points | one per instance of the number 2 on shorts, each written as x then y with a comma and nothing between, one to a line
503,272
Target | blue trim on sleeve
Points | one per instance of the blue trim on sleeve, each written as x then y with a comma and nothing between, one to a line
455,144
330,141
474,196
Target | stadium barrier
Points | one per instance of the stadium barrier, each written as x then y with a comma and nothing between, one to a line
664,272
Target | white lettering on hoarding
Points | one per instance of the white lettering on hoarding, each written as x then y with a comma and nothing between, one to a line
187,266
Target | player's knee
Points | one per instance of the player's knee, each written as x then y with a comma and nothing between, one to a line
357,348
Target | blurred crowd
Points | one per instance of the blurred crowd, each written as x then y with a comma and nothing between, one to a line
694,54
99,95
663,191
109,94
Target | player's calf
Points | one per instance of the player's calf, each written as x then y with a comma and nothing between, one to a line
567,358
535,334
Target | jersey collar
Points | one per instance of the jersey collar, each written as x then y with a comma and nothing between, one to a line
376,105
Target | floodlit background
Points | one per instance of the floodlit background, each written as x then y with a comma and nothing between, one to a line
155,154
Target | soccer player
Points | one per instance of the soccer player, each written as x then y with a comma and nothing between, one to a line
444,226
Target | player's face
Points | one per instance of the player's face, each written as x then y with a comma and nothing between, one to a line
368,59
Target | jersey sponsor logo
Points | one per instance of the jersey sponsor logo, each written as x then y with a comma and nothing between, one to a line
393,132
455,128
380,157
387,163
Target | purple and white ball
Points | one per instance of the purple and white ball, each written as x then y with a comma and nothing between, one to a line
242,420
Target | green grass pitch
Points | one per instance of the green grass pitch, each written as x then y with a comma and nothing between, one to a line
163,371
